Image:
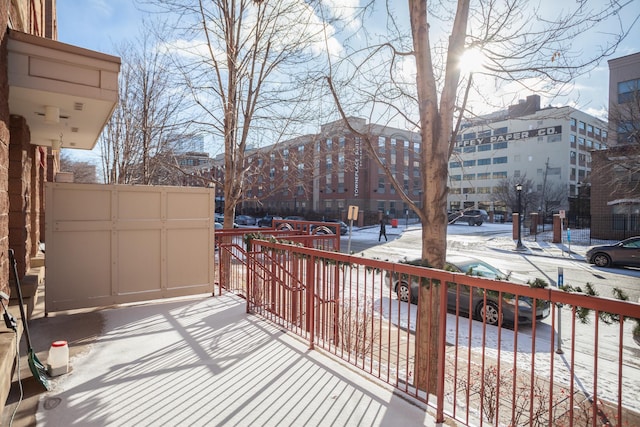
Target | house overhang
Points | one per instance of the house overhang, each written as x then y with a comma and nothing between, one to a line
66,93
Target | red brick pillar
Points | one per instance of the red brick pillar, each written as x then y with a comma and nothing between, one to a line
557,229
516,221
20,193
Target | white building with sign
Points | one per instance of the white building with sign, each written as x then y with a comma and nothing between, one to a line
550,147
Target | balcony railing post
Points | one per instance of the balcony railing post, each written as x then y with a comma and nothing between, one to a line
310,287
442,343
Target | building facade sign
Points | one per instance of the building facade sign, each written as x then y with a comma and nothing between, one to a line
356,167
514,136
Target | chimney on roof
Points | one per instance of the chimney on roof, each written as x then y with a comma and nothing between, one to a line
525,107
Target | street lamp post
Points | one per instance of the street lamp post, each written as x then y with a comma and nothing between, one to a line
519,246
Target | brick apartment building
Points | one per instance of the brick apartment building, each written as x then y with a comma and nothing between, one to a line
320,175
615,189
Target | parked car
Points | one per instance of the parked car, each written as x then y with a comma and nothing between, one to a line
458,295
218,217
344,228
267,221
469,216
624,253
245,220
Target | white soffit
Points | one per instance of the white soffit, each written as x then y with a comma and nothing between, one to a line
65,93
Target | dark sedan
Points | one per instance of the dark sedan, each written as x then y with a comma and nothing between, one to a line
459,296
623,253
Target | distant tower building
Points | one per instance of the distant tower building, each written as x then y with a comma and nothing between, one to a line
190,144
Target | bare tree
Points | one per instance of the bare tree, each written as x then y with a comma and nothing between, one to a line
523,44
244,62
505,192
553,197
146,121
83,171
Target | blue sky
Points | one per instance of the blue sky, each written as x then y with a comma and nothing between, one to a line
97,24
102,24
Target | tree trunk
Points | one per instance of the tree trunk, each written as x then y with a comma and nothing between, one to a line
436,128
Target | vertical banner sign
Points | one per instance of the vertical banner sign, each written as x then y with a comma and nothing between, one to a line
356,167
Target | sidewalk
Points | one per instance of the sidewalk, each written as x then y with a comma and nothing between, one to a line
540,248
198,361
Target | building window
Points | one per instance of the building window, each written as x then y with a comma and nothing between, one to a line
341,141
572,140
381,142
581,142
469,163
482,162
581,126
416,187
573,122
500,145
554,171
627,90
454,177
454,164
469,149
484,175
500,175
484,147
381,185
469,177
501,131
499,160
470,135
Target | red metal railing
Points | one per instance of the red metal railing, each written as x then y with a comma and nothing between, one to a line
467,369
232,246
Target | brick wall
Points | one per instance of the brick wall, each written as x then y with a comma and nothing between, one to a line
20,192
4,158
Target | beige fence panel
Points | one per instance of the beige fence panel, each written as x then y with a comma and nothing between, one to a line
113,244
